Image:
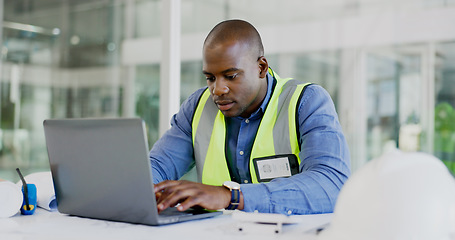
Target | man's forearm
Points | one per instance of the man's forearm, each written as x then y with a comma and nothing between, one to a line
306,193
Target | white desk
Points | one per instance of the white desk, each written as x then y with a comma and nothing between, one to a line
44,225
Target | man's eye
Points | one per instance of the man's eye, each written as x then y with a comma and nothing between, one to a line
230,77
211,79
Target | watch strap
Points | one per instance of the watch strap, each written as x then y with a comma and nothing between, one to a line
235,199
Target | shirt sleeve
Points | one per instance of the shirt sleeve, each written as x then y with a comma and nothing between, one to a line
324,167
172,155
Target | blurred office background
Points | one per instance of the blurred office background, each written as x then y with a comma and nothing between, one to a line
389,66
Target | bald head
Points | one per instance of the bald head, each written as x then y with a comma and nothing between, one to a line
236,31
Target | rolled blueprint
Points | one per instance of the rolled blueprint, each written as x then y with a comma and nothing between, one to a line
10,199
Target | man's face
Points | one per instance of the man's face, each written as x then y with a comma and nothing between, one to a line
234,79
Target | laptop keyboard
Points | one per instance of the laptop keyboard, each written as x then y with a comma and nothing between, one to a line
174,212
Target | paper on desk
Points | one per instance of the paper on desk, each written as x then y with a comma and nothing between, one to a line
45,189
10,199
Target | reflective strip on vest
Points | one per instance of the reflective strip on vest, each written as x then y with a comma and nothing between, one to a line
209,132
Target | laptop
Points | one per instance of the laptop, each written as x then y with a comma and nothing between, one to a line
101,170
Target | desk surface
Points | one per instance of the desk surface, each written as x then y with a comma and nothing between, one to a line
44,225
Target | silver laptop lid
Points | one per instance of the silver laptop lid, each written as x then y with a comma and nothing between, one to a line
101,169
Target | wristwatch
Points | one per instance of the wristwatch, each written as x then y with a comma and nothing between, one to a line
235,194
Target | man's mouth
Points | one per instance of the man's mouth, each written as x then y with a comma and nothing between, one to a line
224,105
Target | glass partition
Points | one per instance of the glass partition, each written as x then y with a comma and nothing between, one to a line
147,96
394,99
25,98
60,59
444,118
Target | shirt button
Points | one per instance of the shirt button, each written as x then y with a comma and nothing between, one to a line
245,181
241,153
247,120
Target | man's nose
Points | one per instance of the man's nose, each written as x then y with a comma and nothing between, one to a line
220,87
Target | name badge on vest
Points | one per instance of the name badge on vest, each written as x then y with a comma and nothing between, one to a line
268,168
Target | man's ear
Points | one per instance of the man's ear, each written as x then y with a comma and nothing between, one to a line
263,66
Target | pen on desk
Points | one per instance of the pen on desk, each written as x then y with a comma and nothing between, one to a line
24,185
322,227
318,229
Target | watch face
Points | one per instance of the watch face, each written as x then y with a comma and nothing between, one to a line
231,185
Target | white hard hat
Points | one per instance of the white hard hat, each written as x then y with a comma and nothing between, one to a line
397,196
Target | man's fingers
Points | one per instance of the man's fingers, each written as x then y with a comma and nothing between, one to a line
173,195
157,196
165,184
189,194
189,202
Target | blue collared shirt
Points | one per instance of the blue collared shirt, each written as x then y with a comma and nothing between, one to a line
324,167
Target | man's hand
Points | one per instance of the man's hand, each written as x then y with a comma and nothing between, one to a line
189,194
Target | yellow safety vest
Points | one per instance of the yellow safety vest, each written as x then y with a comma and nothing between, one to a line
277,132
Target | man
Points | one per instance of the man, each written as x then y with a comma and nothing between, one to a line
248,112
